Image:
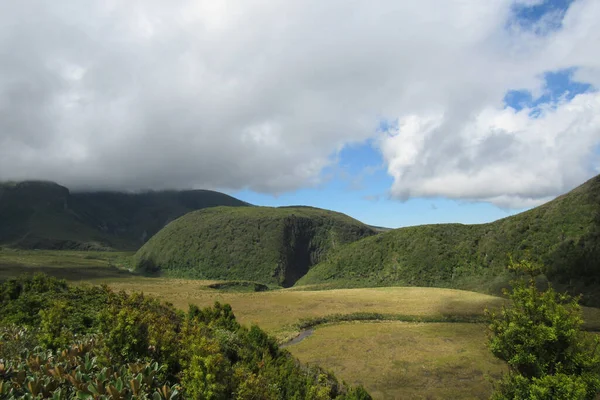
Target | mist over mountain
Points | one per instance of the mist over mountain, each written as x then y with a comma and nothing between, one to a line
45,215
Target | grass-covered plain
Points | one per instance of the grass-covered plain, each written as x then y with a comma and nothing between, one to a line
397,360
392,359
277,309
65,264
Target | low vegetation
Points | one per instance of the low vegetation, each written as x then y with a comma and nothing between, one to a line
65,264
264,244
92,343
399,342
239,286
540,337
370,316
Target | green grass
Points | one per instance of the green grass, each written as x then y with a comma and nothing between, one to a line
263,244
70,265
280,311
563,234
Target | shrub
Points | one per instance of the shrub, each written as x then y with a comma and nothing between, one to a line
540,337
97,344
78,372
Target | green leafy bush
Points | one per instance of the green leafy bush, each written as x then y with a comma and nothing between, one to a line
129,346
79,372
540,337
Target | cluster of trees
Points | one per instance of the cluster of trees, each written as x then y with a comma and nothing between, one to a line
61,342
540,337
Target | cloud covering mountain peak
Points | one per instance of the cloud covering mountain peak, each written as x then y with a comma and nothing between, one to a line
263,94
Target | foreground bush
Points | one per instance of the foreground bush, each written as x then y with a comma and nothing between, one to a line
61,342
79,372
540,337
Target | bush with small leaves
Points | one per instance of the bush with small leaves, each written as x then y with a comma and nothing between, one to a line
125,346
78,372
54,332
540,337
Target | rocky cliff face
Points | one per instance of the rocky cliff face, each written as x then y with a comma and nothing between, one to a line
306,241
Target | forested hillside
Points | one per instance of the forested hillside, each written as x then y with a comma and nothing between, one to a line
265,244
563,235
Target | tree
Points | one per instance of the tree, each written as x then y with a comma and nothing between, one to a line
540,336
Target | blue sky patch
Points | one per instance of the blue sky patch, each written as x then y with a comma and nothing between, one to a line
551,12
359,187
558,85
358,183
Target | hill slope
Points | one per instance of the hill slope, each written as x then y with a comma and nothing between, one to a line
564,234
269,245
46,215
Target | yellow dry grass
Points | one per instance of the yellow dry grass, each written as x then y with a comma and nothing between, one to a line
399,360
276,310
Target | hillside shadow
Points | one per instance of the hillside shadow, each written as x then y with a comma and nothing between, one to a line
68,273
469,307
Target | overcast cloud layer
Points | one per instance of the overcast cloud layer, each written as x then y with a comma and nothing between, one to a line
262,94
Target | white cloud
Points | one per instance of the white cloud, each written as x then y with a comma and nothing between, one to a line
502,156
263,93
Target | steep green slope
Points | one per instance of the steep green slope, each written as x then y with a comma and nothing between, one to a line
45,215
269,245
563,234
37,215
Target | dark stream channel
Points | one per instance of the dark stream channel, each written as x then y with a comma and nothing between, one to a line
303,335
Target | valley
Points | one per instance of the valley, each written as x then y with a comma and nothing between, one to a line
416,355
400,311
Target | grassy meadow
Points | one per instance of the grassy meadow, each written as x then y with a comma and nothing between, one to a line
282,309
392,359
397,360
66,264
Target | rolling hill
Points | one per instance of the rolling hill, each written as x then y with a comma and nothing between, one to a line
45,215
563,234
269,245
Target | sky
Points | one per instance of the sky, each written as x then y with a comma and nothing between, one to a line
397,113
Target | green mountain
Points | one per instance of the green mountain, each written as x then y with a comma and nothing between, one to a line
269,245
563,234
45,215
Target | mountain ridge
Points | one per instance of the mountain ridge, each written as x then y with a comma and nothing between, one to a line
46,215
563,234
